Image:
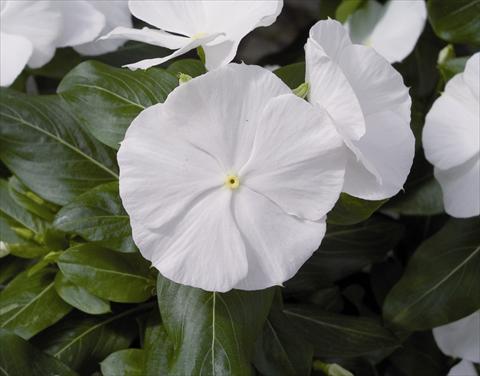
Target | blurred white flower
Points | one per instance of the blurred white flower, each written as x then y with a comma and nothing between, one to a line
218,195
451,139
461,339
217,26
391,29
370,106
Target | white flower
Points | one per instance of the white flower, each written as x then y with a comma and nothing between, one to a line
461,339
31,30
391,29
463,368
217,26
451,139
370,106
228,182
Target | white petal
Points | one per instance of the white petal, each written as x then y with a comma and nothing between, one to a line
331,36
472,74
204,250
224,120
304,177
190,45
277,244
460,339
161,173
451,134
150,36
388,146
330,89
461,188
362,22
36,21
81,22
377,85
116,14
219,54
464,368
14,54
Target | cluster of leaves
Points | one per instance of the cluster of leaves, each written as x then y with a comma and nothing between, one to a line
76,297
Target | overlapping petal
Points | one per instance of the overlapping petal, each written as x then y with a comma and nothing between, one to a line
15,51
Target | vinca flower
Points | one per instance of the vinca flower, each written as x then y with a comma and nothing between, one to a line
370,106
451,139
216,26
391,29
460,339
228,182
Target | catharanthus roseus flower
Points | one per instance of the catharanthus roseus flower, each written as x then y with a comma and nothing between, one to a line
391,29
217,26
451,139
461,339
228,182
370,106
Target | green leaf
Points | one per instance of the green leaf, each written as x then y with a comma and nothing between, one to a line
192,67
107,99
293,75
20,358
455,21
98,216
30,304
345,250
9,267
440,284
127,362
451,67
119,277
350,210
334,335
43,144
80,298
212,333
157,346
346,8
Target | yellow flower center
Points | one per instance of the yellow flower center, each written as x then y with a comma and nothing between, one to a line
198,36
232,181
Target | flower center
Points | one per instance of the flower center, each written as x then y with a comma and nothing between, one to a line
198,36
232,181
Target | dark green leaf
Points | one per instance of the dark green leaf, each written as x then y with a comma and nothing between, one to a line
127,362
451,67
346,8
30,304
80,298
192,67
456,21
212,333
42,144
441,282
157,346
293,75
350,210
20,358
107,99
9,267
119,277
334,335
98,216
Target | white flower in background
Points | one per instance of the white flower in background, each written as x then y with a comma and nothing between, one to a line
217,26
461,339
451,140
391,29
218,194
370,106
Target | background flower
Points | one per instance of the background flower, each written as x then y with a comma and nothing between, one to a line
451,139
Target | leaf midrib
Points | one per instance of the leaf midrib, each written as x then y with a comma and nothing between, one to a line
108,271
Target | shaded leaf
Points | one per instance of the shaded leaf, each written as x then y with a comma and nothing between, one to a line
347,8
192,67
157,346
451,67
293,75
350,210
127,362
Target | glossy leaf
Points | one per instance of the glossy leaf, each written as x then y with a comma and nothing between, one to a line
334,335
455,21
80,298
451,67
98,216
157,346
127,362
441,282
119,277
107,99
192,67
18,358
23,304
350,210
43,144
212,333
293,75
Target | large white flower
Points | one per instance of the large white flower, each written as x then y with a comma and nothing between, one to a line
461,339
451,139
391,29
370,106
31,30
228,182
217,26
